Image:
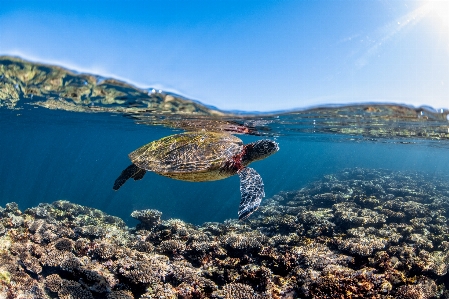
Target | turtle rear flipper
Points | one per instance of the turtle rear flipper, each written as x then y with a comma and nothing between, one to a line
252,192
132,171
139,174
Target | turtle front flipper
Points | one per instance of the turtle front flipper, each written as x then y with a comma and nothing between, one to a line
132,171
252,192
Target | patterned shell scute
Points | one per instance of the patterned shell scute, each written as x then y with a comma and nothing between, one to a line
189,152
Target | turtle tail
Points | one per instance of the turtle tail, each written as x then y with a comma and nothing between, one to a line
252,192
132,171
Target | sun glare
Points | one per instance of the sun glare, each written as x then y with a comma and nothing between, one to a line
440,10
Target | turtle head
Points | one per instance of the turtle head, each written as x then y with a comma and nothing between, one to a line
259,150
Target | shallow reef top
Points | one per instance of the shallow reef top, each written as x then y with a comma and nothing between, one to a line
25,84
359,233
58,88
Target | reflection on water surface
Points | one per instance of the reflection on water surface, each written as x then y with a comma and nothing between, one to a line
53,87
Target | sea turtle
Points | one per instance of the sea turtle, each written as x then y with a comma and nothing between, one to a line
203,156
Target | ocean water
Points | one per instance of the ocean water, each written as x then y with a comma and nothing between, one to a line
49,155
349,186
54,154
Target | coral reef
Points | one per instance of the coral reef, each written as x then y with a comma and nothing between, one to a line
355,234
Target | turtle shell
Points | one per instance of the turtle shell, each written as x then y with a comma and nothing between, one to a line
191,156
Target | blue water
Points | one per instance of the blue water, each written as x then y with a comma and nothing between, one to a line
49,155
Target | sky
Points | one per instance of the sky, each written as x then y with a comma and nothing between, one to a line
246,55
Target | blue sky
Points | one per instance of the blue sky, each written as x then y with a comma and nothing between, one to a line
246,55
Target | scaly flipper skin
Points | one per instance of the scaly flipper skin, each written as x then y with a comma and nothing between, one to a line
252,192
132,171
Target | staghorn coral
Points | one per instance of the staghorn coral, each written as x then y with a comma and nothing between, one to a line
202,246
30,262
11,209
260,276
410,209
23,281
350,214
151,270
184,273
148,218
247,241
70,264
362,246
54,257
287,223
105,250
53,282
172,246
317,256
236,291
120,294
97,277
91,231
64,244
424,289
340,282
160,290
173,229
82,246
143,246
2,229
436,262
72,289
317,222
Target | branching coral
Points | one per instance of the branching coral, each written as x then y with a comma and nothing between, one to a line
356,234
